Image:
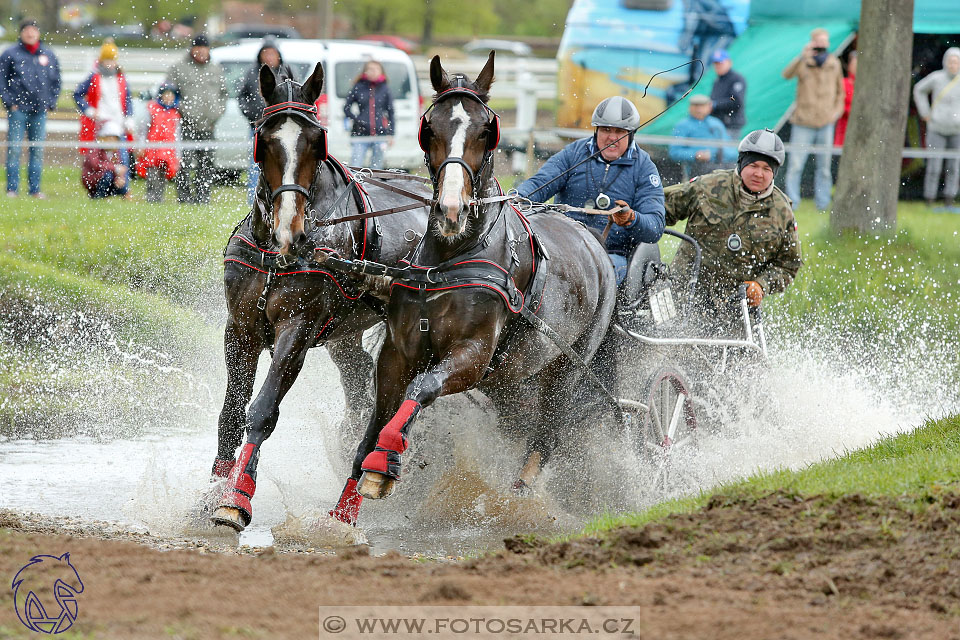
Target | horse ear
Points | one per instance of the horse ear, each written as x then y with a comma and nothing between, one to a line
438,77
485,77
268,82
313,87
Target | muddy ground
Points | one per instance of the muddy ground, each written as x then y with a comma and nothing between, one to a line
776,567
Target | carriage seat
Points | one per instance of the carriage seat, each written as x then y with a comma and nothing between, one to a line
645,298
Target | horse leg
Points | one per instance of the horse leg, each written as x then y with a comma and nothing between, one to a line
555,410
458,371
392,376
356,369
291,348
241,350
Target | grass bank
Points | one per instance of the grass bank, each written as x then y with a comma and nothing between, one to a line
914,467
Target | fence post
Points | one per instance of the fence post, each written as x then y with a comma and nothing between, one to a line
526,109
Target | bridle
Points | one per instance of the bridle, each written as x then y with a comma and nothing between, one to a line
308,113
459,88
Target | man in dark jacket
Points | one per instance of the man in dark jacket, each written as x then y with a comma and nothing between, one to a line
29,87
728,94
203,99
251,102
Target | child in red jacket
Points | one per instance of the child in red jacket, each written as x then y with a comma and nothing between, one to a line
160,165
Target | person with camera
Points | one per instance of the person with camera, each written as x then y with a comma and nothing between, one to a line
746,231
606,171
819,104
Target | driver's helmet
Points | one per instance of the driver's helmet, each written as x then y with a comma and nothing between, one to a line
616,111
763,142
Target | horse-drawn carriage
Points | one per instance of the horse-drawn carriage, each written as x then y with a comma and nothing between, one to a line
474,294
674,371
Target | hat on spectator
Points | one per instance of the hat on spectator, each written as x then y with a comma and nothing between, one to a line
109,50
201,40
719,55
700,99
28,22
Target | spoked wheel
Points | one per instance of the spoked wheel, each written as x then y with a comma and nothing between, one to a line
668,427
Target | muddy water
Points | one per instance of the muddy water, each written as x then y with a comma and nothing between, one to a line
148,469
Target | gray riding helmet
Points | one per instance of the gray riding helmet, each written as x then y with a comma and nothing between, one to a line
762,142
616,111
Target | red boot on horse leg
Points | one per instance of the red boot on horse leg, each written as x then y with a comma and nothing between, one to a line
234,509
381,467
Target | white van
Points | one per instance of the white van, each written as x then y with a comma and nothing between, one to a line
343,62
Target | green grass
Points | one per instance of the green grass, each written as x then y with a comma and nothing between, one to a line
915,466
914,272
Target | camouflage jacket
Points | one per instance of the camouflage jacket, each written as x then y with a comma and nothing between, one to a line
740,240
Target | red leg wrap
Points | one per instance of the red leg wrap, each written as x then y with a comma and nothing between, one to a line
348,507
222,468
391,443
240,485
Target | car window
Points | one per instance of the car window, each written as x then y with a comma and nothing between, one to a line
398,77
235,72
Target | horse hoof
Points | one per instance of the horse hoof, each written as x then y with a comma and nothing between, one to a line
228,517
375,485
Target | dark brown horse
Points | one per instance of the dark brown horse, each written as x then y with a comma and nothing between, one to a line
454,323
278,295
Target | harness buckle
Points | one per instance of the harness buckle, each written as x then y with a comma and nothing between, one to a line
424,324
261,303
283,261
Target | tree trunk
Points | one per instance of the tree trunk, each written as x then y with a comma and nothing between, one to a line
868,182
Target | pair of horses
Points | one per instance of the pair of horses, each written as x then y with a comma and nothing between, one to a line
468,288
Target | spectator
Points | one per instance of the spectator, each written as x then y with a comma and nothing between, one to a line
29,87
694,160
819,104
729,94
251,102
942,115
840,133
104,97
159,165
105,172
373,115
203,99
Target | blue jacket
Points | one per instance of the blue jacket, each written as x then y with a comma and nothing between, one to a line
29,80
632,178
709,128
375,104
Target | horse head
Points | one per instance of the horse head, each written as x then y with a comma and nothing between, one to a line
458,134
289,145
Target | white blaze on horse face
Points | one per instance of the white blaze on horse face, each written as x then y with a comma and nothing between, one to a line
454,177
287,134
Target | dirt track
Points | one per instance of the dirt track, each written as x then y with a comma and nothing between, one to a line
779,567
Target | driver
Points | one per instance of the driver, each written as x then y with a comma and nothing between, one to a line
620,175
745,227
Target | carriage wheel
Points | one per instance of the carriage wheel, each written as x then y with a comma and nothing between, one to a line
668,427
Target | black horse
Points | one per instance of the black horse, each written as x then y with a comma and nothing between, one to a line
278,295
471,309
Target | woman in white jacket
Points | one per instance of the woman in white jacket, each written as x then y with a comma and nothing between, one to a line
938,103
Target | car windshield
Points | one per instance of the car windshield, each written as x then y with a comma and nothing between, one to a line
235,72
398,78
